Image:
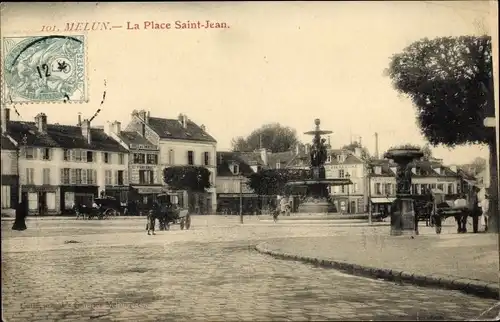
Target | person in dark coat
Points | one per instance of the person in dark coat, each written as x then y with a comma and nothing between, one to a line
21,213
475,210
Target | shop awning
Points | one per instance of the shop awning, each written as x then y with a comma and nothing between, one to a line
237,195
150,189
383,200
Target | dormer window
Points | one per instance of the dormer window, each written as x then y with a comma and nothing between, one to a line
235,168
378,170
329,159
339,158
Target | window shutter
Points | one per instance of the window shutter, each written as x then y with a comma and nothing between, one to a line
202,159
84,155
116,177
72,176
51,154
71,155
84,176
32,175
27,176
62,176
95,177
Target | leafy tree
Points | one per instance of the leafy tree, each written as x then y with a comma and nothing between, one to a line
450,82
365,154
272,181
272,136
195,180
191,178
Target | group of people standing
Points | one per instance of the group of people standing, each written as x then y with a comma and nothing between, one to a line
474,207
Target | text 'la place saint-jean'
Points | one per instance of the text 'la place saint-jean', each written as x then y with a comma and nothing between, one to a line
139,25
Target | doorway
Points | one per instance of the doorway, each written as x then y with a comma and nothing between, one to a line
42,203
352,208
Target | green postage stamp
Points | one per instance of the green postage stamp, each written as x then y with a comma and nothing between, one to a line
44,69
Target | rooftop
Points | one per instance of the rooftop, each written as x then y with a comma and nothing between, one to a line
173,129
62,136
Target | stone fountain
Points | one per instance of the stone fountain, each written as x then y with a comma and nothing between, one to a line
316,196
402,211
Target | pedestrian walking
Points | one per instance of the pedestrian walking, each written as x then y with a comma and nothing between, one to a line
437,220
21,213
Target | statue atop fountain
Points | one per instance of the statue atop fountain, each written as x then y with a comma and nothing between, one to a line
316,197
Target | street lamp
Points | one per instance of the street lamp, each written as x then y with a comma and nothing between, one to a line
241,196
348,201
369,173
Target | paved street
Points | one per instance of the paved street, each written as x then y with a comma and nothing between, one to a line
112,271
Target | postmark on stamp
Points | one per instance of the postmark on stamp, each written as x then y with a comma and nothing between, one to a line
44,69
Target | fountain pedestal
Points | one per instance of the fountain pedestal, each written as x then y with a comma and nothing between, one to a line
403,219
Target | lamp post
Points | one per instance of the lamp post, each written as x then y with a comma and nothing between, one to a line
348,176
369,173
241,196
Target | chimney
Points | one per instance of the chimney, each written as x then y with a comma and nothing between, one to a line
5,119
184,121
203,128
116,127
79,119
147,117
263,155
41,122
86,131
144,116
376,145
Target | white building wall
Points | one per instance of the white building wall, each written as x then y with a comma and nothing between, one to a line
9,162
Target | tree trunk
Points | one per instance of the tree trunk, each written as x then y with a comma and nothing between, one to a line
494,220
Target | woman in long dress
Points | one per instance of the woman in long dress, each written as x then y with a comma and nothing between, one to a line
21,213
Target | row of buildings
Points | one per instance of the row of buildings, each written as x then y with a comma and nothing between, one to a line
53,166
373,182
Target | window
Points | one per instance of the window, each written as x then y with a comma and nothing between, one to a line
30,176
236,169
388,188
206,157
378,190
414,189
450,188
67,155
65,176
152,159
78,176
30,153
78,155
171,159
278,165
90,156
440,186
121,158
146,177
190,158
342,189
329,159
119,177
355,188
90,176
46,154
353,173
108,179
50,199
105,157
46,176
139,158
341,173
5,197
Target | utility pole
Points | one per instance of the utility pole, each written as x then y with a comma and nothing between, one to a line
241,199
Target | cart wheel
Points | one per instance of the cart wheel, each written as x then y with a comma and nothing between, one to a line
188,222
182,224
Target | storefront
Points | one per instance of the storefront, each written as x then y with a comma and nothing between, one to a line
145,195
230,202
120,193
381,205
10,191
71,195
42,200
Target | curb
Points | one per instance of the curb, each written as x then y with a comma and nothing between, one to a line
475,287
43,218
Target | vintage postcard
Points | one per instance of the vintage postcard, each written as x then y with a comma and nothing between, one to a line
256,161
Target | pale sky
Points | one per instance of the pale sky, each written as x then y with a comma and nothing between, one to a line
278,62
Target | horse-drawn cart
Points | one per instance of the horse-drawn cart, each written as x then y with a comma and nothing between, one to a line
168,212
104,208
